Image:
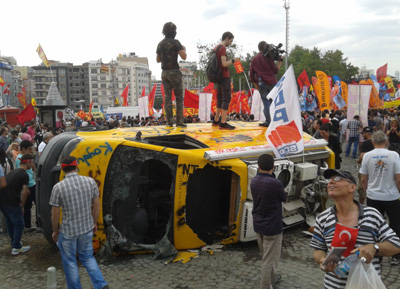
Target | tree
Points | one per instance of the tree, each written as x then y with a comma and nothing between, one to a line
332,62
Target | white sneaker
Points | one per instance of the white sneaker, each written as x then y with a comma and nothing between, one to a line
23,249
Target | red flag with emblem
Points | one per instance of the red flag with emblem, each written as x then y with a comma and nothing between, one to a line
238,66
345,237
234,104
381,73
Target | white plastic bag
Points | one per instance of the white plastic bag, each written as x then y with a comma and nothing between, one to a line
364,276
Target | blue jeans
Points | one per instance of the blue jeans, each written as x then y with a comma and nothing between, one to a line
264,90
81,245
15,224
352,140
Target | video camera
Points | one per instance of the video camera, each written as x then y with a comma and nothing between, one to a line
274,52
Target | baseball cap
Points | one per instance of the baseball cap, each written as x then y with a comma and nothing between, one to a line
367,129
344,174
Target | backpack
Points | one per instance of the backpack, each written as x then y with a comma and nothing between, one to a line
214,73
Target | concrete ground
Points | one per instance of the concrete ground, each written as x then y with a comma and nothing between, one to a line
236,266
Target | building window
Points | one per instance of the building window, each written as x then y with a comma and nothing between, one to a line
94,85
93,71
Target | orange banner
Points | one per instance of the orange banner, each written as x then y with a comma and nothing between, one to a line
345,91
324,91
374,101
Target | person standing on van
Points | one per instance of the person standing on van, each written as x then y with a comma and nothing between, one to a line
224,86
268,194
167,53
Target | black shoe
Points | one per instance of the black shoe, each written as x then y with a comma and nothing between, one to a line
215,122
169,125
183,125
264,124
105,287
225,125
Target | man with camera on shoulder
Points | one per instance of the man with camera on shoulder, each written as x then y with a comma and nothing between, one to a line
262,73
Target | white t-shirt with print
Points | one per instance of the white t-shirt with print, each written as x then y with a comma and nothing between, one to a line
381,166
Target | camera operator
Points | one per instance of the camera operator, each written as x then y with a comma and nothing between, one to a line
262,73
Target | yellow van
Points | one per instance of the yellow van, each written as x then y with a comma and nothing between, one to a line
165,189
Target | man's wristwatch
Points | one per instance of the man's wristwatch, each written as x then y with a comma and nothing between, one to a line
376,248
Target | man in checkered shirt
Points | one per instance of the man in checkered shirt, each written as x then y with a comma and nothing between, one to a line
354,127
76,195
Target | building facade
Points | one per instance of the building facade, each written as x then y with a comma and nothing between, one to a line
43,77
107,81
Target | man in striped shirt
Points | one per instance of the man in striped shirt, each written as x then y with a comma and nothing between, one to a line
76,195
375,238
354,127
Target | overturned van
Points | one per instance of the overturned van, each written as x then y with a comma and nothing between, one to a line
166,189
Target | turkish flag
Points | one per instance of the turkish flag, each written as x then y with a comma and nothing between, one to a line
345,237
27,114
191,99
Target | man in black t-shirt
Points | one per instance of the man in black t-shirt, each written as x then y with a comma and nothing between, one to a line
167,53
12,202
365,147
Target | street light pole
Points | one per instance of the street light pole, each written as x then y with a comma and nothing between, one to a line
287,7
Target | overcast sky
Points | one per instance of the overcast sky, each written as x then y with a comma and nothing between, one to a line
366,31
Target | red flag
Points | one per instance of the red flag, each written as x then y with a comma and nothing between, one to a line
345,237
124,95
245,103
191,99
90,109
238,66
7,90
234,104
27,114
303,79
381,73
82,114
144,90
214,102
151,99
209,88
2,81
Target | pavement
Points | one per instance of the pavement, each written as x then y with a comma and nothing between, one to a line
235,266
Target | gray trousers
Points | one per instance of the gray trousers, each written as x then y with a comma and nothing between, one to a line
270,248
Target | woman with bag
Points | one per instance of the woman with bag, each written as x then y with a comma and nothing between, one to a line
356,227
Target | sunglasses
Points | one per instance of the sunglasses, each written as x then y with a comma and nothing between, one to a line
338,179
